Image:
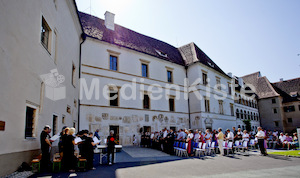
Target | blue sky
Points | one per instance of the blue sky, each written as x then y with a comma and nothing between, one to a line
240,36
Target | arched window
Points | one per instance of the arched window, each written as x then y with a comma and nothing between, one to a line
240,100
249,115
245,114
252,116
242,116
237,113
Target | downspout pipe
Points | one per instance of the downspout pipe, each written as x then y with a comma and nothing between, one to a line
186,74
83,37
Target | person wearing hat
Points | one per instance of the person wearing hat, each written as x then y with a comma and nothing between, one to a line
45,147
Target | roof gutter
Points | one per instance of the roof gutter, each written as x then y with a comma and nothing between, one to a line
186,74
83,37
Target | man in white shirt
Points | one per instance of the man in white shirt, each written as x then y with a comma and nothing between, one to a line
230,136
196,136
261,139
165,133
282,139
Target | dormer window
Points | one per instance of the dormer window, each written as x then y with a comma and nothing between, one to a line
293,94
161,53
210,64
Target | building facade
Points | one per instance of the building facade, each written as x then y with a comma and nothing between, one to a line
39,61
246,107
278,102
137,69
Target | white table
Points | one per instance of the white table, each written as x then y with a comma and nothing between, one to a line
103,147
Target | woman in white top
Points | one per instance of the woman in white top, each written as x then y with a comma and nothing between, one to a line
246,136
189,140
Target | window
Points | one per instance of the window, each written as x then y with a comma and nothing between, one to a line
144,70
204,78
113,101
229,88
206,103
113,63
69,109
221,111
275,110
273,100
242,115
231,109
171,104
54,128
63,119
170,76
237,113
146,101
45,34
276,123
30,122
218,83
290,120
73,75
289,108
2,126
55,46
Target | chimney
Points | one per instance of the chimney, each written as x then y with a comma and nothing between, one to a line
230,74
241,82
281,79
109,20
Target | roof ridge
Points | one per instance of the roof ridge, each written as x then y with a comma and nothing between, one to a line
251,74
129,29
288,80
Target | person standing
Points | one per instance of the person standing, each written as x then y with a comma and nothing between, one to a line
196,136
220,137
45,147
261,138
97,134
89,142
111,147
189,140
69,158
171,139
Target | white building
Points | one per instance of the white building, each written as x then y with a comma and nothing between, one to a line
114,56
246,107
36,38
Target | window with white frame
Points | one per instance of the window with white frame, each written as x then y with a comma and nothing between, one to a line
45,34
30,121
221,110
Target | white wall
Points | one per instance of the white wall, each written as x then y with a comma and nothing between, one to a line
24,59
130,115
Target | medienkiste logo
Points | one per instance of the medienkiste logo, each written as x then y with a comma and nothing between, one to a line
54,89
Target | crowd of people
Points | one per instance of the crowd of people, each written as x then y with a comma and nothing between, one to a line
69,150
164,140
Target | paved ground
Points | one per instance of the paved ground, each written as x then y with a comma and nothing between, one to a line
144,162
